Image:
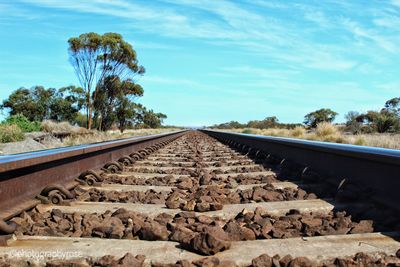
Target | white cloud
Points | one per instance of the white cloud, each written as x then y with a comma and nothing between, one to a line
259,72
255,30
396,2
358,31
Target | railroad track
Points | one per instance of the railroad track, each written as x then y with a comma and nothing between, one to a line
208,199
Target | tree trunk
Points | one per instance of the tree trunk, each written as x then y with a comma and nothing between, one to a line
89,117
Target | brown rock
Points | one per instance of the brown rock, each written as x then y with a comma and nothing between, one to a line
106,260
255,228
364,226
202,207
64,225
285,261
282,224
183,263
205,219
185,183
262,261
153,231
111,227
239,233
216,206
182,235
206,262
272,196
208,244
258,194
205,179
173,202
130,261
213,262
231,184
311,222
190,205
163,218
266,230
301,194
227,264
301,262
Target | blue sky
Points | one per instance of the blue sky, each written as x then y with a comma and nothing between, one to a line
211,61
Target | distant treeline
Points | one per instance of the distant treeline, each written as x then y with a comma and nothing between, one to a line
385,120
66,104
269,122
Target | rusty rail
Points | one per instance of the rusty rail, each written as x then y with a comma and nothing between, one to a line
24,176
375,170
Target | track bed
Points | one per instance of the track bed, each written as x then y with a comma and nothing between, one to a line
199,202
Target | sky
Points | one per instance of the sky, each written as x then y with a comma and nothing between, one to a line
212,61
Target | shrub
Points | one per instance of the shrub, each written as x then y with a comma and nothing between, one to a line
360,141
247,131
336,138
325,129
61,127
23,123
298,131
10,133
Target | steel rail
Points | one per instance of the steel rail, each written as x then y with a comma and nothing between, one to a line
375,169
25,175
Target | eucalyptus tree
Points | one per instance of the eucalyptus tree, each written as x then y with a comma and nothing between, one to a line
95,57
318,116
39,103
111,98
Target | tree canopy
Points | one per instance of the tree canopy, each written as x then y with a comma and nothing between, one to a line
312,119
98,57
113,96
39,103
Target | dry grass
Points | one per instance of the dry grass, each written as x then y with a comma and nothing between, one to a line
61,127
326,129
96,136
327,132
79,135
375,140
10,133
298,132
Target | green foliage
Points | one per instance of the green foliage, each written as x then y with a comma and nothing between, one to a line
80,120
95,58
28,102
152,119
113,99
229,125
247,131
66,103
312,119
38,103
268,122
384,121
393,105
128,114
10,133
352,124
23,123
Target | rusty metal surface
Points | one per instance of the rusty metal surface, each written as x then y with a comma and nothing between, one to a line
377,170
18,161
23,176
